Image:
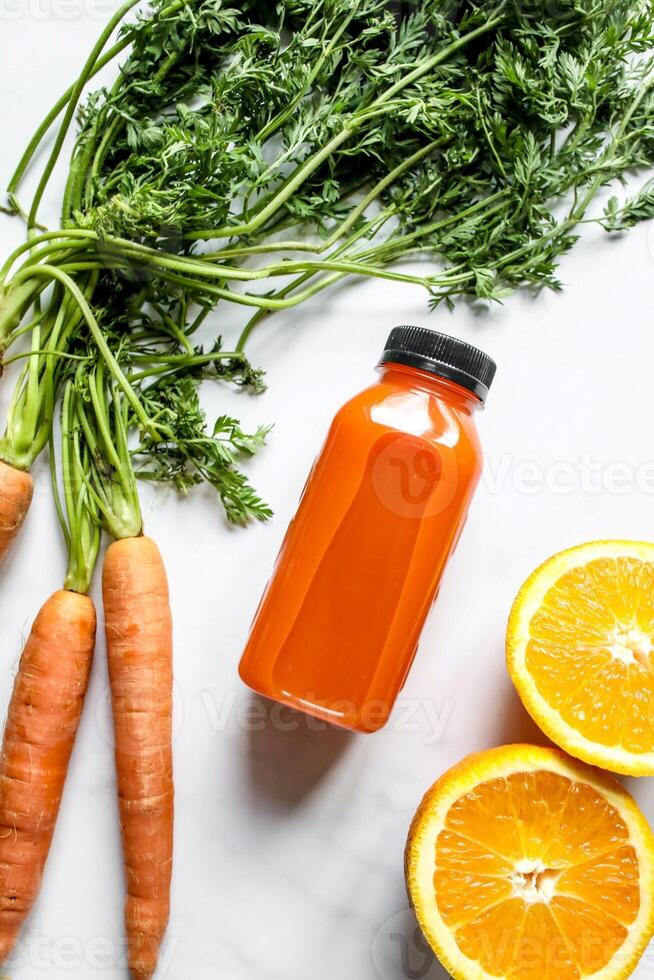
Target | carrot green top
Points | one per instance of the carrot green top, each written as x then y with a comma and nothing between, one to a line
76,507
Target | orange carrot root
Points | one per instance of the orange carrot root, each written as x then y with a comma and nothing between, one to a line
43,718
16,491
139,649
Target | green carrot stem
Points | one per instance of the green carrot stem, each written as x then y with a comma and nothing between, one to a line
52,273
76,92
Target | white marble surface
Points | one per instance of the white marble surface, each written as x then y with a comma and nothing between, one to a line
288,839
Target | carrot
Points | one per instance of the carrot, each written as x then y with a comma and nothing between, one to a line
16,491
44,715
139,648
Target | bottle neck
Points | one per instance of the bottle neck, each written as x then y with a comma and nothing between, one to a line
416,378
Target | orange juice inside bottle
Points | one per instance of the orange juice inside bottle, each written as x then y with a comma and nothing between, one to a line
338,626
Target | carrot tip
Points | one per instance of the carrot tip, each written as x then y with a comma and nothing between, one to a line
6,948
16,492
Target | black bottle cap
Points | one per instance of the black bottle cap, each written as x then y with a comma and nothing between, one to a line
443,355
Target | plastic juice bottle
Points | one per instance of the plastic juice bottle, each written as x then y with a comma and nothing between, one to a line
337,629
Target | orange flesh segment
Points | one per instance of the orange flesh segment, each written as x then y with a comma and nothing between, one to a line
590,651
536,877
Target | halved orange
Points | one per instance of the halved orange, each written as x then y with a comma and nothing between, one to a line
580,651
525,864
